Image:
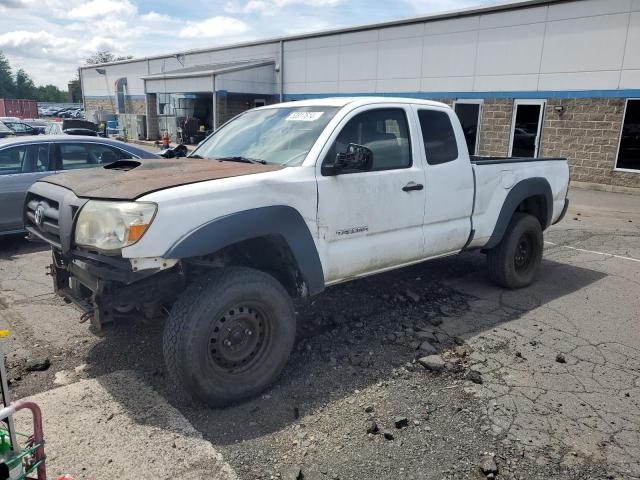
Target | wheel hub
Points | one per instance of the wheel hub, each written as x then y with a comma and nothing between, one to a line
523,253
237,338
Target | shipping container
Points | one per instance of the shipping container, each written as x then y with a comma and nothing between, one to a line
18,108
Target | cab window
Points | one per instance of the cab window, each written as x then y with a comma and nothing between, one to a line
383,131
440,144
84,155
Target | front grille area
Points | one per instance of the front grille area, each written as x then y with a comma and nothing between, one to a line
49,214
43,215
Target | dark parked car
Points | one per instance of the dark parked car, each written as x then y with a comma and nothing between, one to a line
21,128
73,127
27,159
39,125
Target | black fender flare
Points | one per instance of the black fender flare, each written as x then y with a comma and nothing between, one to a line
257,222
535,186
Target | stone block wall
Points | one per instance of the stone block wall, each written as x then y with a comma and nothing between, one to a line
153,129
587,132
94,108
135,105
108,106
495,127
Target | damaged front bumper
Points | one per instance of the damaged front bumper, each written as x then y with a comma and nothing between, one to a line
102,286
105,287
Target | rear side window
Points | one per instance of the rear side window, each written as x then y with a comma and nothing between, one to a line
385,132
83,155
440,144
13,160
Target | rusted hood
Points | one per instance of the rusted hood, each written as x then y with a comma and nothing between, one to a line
130,179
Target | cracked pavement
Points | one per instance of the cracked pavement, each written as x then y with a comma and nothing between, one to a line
560,367
562,375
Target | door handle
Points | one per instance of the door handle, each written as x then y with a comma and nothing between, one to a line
412,186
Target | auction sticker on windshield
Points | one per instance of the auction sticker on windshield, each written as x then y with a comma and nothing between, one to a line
304,116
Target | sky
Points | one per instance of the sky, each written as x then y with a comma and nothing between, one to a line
51,38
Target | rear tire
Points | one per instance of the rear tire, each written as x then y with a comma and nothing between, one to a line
515,261
229,335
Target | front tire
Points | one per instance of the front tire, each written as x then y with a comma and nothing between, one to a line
229,335
515,261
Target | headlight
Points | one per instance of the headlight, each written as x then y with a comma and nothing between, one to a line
113,225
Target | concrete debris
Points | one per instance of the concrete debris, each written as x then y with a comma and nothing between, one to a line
413,296
401,422
475,376
372,427
560,358
38,365
294,473
427,348
432,362
488,466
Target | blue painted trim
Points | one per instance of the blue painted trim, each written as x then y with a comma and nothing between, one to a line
543,94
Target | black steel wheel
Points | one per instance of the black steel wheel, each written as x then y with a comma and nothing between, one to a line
229,335
239,338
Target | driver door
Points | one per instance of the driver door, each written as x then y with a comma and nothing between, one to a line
372,220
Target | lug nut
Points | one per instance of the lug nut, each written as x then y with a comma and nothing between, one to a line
227,343
248,332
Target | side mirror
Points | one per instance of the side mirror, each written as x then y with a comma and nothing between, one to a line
354,158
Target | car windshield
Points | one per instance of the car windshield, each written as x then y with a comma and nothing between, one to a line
281,136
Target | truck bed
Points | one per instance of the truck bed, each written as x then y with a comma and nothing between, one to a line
480,160
495,177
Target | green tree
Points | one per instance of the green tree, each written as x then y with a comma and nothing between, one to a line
50,93
7,87
105,56
24,86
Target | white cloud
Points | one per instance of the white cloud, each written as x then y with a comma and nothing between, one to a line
157,18
269,7
103,8
214,27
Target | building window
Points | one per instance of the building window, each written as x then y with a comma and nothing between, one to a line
469,112
526,128
259,102
121,95
629,151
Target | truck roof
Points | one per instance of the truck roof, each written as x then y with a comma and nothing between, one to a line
342,101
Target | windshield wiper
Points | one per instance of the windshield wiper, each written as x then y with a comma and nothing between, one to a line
242,159
195,156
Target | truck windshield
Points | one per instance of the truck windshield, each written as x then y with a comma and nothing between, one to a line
281,136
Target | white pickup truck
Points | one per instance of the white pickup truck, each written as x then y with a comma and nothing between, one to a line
278,203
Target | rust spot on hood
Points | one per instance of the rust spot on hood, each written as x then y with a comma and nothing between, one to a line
130,179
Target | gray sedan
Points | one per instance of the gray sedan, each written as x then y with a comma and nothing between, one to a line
25,160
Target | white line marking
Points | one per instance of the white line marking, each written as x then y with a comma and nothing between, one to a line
592,251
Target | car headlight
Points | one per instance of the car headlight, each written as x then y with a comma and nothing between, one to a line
111,226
